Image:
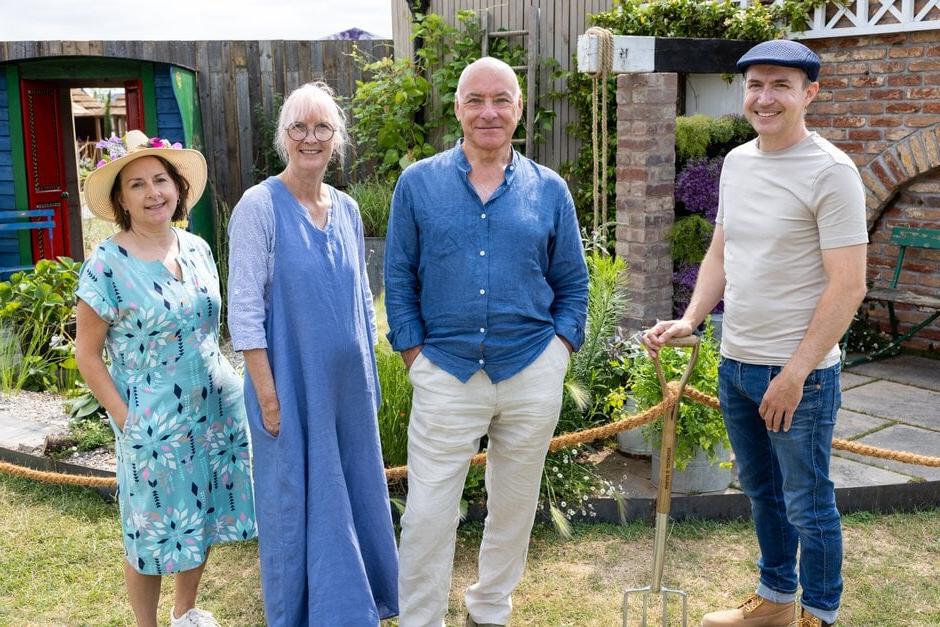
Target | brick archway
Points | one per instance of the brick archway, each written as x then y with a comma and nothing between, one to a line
896,166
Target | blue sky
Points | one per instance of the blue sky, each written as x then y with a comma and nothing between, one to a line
189,19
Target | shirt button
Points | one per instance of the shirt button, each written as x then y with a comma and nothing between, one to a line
482,292
482,253
482,330
483,216
481,362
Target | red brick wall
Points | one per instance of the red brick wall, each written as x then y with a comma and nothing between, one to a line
876,91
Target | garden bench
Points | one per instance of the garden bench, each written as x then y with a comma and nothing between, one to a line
904,238
25,220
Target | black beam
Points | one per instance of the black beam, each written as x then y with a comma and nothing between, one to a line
699,56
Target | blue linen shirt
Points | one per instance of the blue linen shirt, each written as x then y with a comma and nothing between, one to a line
483,285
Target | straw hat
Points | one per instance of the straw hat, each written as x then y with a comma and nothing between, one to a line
120,151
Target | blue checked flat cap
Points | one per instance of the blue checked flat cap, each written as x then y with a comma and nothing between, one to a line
781,52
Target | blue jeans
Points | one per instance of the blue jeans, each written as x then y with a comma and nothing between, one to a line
786,477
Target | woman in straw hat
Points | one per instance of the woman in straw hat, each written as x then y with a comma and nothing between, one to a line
150,295
301,311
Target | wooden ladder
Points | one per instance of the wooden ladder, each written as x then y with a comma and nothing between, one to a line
530,69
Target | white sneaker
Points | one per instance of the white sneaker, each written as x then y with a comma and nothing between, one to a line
193,618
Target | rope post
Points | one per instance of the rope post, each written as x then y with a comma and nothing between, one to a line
606,57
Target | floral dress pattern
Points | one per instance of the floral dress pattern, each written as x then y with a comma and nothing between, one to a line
183,457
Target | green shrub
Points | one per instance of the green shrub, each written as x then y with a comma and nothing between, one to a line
404,111
698,426
36,314
589,375
267,161
690,237
699,136
374,196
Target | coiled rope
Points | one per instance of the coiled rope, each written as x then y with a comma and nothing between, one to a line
564,440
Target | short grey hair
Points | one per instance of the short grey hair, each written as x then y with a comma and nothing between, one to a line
298,105
493,63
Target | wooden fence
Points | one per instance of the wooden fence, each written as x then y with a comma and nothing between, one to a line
234,77
560,23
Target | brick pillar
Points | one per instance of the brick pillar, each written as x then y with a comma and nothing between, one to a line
646,172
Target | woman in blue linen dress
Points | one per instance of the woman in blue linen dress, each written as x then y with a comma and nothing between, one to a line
150,295
301,312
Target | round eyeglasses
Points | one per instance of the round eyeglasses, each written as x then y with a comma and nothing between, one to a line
298,131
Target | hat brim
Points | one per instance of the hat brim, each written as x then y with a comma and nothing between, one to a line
189,163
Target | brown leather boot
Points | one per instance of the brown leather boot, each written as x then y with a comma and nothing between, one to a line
755,612
808,620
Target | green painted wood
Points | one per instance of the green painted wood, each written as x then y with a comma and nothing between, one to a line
80,68
20,192
201,217
918,238
150,98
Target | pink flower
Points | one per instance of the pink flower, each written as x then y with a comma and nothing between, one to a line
100,163
177,145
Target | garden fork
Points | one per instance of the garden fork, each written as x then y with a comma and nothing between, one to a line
664,495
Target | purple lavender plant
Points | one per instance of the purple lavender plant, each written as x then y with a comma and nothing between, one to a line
697,186
683,283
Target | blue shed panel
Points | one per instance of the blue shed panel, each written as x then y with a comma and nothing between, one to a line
9,240
169,120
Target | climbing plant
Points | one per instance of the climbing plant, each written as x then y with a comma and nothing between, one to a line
404,111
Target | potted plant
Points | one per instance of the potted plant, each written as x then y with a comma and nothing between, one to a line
374,196
702,452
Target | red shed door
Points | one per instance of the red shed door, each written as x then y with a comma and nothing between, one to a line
134,100
45,165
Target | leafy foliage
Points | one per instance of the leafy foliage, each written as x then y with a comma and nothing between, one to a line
405,110
698,426
700,136
267,161
88,424
690,237
374,196
396,395
36,310
589,376
385,107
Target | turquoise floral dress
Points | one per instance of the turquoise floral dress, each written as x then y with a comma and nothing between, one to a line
183,458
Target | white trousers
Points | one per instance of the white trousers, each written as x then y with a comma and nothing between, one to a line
448,418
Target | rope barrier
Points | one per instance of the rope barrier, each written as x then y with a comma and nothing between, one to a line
605,41
564,440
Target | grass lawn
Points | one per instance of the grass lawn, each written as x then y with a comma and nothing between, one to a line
60,564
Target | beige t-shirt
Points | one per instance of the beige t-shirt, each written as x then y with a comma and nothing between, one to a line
779,211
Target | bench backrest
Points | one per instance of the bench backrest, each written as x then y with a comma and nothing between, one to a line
904,237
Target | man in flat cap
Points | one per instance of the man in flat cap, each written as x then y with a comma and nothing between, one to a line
788,257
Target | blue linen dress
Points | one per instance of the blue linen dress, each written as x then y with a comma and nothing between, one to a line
183,459
327,545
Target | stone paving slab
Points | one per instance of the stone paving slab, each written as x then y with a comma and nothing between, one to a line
850,380
895,401
902,438
23,435
849,473
850,424
919,371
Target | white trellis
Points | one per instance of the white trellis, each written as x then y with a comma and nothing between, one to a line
868,17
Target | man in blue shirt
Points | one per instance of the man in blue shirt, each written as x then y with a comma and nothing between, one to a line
486,294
